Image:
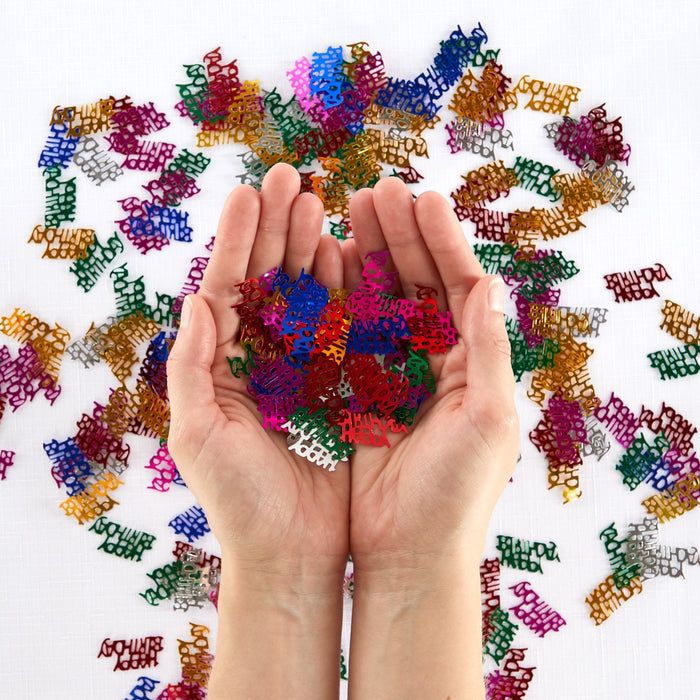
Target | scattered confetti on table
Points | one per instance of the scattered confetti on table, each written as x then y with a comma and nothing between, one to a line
347,123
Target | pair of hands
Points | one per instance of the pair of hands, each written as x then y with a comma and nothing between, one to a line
432,492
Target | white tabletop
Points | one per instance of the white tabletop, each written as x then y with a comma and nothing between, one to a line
60,597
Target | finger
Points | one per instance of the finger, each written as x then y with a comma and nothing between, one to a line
234,239
279,189
457,266
193,409
328,263
393,204
366,229
352,265
304,233
489,372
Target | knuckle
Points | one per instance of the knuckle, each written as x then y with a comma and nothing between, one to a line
501,343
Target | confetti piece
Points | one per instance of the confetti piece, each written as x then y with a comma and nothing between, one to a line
501,636
122,541
643,462
343,667
192,524
490,576
165,579
606,598
89,268
623,571
195,658
673,363
61,198
93,501
132,653
65,243
636,284
195,582
96,162
7,459
678,431
533,612
548,97
143,686
513,681
525,555
162,463
680,323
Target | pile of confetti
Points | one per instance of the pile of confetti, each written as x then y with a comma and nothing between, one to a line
334,368
348,123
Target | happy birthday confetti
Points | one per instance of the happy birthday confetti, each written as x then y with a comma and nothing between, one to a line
338,368
332,368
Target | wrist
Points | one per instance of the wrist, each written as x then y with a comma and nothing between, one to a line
416,629
410,572
285,577
279,630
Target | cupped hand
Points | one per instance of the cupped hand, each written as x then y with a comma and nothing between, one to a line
266,505
433,490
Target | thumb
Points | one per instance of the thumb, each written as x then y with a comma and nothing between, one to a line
489,371
190,384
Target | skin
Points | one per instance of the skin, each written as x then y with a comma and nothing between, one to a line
414,515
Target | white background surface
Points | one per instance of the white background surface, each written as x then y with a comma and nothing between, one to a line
59,596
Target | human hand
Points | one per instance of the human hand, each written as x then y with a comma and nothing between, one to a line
419,509
267,507
432,493
281,521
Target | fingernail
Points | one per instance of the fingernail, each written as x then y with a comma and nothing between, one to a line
186,312
497,293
